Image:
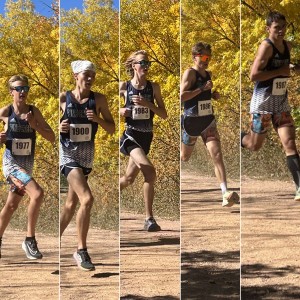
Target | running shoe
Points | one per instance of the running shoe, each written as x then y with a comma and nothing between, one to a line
297,196
230,198
83,260
31,249
151,225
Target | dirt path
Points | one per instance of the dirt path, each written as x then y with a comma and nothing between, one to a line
150,261
270,241
103,283
21,278
210,240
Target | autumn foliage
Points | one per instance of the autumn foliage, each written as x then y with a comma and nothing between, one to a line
29,45
218,24
154,26
271,157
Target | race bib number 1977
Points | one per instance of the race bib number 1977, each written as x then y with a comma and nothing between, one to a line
21,146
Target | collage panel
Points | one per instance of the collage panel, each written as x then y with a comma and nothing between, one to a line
269,160
149,146
210,150
89,156
29,248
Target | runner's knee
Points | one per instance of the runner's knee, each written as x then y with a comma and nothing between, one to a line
71,205
12,206
87,202
128,179
38,195
149,174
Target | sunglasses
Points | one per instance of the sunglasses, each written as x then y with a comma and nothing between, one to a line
24,88
144,63
203,58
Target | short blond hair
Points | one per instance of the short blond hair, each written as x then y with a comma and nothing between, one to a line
19,77
131,59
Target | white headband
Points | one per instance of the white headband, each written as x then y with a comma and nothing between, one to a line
82,65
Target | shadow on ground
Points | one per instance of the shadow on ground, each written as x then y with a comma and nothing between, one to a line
208,280
133,297
269,291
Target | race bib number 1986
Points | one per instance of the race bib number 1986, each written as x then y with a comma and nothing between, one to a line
204,108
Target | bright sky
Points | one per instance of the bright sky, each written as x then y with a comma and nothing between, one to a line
43,7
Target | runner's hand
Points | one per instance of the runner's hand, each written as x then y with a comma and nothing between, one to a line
285,70
64,126
216,95
208,85
139,100
2,137
125,112
31,120
90,115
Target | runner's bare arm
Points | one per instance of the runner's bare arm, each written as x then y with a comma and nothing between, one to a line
103,116
160,109
64,125
62,101
124,112
38,123
263,55
4,118
187,81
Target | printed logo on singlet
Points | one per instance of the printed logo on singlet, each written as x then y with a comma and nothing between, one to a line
279,62
75,113
14,127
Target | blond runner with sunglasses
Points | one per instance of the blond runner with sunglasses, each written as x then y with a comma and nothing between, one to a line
21,122
198,118
140,96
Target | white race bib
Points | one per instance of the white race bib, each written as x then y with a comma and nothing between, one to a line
140,112
279,86
80,132
21,146
204,108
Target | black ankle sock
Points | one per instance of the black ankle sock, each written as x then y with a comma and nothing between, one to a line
83,249
293,162
30,238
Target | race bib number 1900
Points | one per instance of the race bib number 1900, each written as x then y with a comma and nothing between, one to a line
140,112
80,132
204,108
279,86
21,146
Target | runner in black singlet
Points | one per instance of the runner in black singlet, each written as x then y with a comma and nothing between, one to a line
81,109
140,96
21,122
198,118
269,103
